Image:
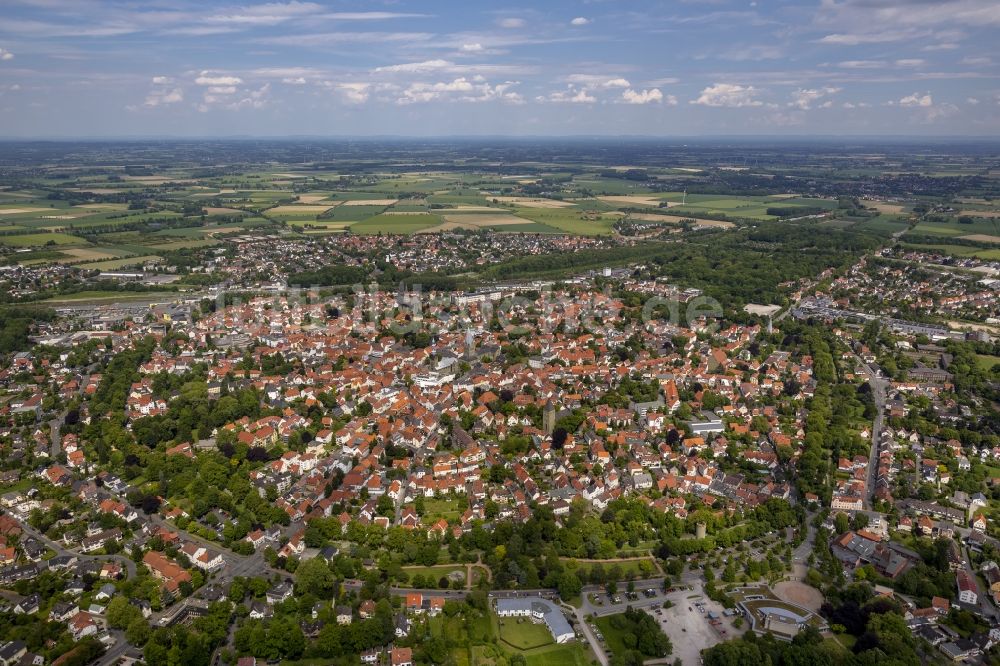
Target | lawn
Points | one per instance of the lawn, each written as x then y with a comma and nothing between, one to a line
436,571
522,634
443,507
614,638
567,654
627,567
987,362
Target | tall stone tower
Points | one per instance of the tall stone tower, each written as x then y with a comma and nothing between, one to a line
549,417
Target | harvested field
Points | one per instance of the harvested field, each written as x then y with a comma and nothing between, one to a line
677,219
62,217
20,211
96,190
223,211
889,208
311,198
370,202
482,220
632,200
981,213
294,209
528,202
115,264
77,254
405,212
982,238
102,206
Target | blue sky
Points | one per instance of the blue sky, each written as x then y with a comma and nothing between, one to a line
705,67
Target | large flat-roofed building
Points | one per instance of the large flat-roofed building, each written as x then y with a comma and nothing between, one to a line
539,610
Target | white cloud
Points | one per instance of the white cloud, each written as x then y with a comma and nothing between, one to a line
6,55
461,89
971,100
569,96
512,23
271,13
356,93
580,20
161,80
977,60
861,64
294,81
253,99
916,99
417,67
910,62
369,16
207,80
880,37
803,98
643,97
729,95
475,47
221,90
597,81
158,98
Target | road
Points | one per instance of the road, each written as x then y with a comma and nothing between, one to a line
879,394
62,550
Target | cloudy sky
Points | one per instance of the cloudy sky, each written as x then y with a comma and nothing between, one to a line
552,67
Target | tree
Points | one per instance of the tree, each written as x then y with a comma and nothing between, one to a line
138,632
569,585
841,523
120,613
314,576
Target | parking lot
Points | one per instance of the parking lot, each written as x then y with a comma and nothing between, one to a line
689,628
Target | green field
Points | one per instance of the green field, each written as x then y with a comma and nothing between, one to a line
630,567
957,250
112,296
40,240
883,224
114,264
987,362
569,220
979,225
613,638
521,633
395,224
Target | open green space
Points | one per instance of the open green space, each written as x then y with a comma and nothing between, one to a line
523,634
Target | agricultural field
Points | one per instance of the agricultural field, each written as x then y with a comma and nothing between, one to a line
395,224
978,226
40,240
957,250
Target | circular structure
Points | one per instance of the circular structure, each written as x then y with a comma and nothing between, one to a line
799,594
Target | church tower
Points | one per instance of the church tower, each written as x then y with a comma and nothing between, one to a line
549,417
